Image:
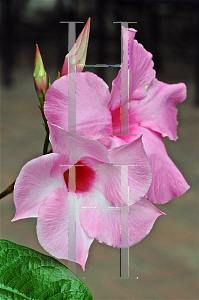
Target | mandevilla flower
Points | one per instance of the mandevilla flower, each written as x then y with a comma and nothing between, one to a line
42,191
76,58
152,112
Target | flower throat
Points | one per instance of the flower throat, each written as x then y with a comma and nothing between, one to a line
84,177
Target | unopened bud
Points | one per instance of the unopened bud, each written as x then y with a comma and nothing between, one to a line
76,58
39,74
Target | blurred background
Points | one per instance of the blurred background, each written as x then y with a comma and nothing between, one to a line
166,261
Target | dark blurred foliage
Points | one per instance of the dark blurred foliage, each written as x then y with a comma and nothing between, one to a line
168,29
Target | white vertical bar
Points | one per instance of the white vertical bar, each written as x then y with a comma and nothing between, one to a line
71,82
72,222
124,223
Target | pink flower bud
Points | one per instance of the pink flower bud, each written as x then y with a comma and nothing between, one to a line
39,74
77,55
58,75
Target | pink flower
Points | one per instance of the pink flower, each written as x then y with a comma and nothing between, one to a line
42,191
76,58
152,112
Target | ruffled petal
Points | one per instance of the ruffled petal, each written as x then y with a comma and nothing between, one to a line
136,71
141,72
90,101
167,181
37,179
157,111
102,221
125,184
53,228
76,146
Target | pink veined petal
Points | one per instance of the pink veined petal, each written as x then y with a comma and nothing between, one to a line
93,117
157,111
76,58
138,62
52,228
102,221
141,72
76,146
37,179
167,181
136,177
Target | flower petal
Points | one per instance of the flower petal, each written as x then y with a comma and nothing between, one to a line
37,179
90,103
52,228
167,181
111,142
76,146
157,111
102,221
135,73
137,178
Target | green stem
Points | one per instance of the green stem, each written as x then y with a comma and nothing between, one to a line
46,142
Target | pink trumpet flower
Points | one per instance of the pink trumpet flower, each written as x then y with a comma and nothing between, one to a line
76,58
42,191
151,112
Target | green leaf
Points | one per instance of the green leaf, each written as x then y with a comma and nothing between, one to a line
28,274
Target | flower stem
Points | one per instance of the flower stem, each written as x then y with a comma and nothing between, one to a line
46,142
8,190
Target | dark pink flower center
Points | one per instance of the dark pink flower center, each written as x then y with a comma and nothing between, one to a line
84,177
116,120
